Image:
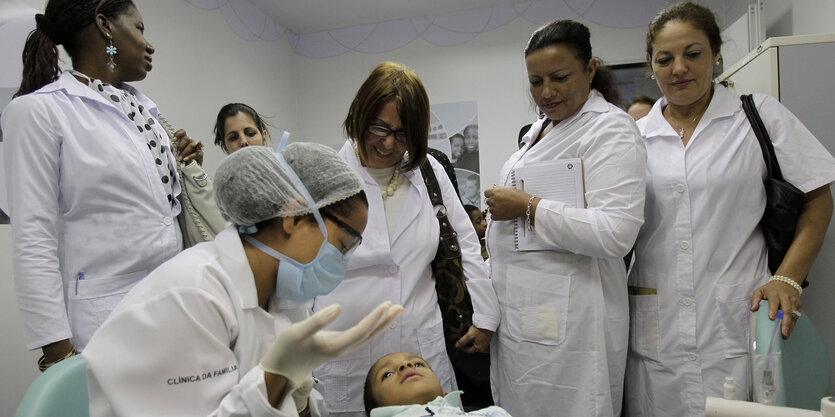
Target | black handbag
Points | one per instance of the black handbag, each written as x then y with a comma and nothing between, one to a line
453,298
783,200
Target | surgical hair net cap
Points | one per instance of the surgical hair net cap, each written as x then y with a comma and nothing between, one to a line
251,185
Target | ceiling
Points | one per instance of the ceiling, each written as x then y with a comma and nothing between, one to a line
307,16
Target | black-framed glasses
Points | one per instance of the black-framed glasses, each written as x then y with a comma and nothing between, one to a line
356,237
383,131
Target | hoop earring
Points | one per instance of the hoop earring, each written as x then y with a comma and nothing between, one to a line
110,50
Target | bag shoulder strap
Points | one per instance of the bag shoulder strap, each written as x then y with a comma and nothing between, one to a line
761,132
448,245
432,185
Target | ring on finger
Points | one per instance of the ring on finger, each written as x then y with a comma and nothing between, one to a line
796,313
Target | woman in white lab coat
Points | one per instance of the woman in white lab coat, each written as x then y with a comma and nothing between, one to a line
89,172
388,127
187,339
700,258
561,346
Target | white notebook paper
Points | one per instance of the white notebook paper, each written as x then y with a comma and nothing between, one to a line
557,180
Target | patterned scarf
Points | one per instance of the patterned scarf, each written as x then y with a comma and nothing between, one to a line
139,115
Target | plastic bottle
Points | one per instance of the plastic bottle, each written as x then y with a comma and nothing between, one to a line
769,389
729,389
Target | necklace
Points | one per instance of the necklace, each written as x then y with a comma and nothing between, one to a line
389,191
395,176
682,130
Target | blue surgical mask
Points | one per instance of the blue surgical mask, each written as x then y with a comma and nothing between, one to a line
301,282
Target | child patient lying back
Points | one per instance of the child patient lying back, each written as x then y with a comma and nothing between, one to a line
403,385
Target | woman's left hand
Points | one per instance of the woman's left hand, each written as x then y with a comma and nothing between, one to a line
188,149
780,296
476,340
505,203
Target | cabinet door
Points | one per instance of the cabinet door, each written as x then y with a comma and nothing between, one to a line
758,75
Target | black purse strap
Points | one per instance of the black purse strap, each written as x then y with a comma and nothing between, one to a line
757,125
448,247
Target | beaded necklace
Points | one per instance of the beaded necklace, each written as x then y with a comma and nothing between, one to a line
395,176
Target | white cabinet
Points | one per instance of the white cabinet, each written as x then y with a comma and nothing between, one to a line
798,70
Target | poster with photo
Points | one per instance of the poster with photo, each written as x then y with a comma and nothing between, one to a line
453,130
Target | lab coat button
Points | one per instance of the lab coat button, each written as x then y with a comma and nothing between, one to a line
680,188
393,269
167,221
686,301
685,245
691,356
393,325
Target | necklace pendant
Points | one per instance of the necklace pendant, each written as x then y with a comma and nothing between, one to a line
681,133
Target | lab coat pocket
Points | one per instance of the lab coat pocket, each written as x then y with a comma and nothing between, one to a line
433,350
538,305
90,301
342,380
734,314
643,326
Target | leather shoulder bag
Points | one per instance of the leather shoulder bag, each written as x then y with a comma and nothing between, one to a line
783,200
453,297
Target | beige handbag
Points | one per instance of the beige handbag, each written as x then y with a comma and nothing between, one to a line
200,220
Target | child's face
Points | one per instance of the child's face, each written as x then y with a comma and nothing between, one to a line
403,378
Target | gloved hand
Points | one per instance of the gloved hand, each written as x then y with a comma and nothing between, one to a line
302,347
302,393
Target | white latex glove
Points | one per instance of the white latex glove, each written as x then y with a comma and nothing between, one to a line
302,393
302,347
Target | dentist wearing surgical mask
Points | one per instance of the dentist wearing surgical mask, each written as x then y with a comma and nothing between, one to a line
222,328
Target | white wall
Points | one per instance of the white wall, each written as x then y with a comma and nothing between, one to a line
787,17
199,65
798,17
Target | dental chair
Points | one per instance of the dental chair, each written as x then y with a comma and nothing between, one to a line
60,391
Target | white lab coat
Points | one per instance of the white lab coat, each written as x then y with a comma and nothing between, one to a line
85,202
702,250
187,340
561,346
400,271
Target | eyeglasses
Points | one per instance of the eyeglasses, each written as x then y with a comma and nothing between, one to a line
383,131
356,237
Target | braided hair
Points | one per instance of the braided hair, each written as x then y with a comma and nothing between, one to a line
60,24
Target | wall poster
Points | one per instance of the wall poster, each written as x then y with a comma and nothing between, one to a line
453,130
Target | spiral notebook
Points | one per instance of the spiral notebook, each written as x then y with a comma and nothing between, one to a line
556,180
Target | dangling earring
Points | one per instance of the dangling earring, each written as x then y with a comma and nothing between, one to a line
110,50
652,76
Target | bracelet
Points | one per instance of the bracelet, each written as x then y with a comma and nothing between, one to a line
44,366
528,213
789,281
